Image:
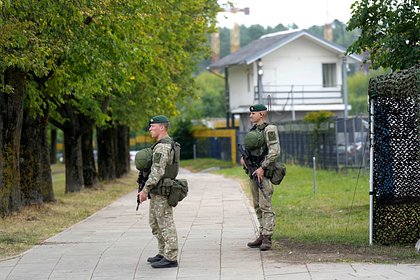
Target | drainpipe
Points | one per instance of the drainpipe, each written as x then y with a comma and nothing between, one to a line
345,89
227,97
260,73
345,94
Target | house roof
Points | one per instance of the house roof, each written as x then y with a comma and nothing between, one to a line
271,42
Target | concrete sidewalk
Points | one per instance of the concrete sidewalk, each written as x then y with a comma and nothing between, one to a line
214,224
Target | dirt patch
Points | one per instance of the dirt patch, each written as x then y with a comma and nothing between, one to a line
290,251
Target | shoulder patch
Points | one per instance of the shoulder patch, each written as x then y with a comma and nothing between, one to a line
156,157
272,136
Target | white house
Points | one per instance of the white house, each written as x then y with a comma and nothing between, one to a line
292,72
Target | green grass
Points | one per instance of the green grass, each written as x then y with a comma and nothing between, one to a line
337,211
196,165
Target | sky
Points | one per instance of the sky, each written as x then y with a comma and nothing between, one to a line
305,13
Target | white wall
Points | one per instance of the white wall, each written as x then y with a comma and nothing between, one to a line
298,63
241,85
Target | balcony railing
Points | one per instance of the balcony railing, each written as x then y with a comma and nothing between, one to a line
301,94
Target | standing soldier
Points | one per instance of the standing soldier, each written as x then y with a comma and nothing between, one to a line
160,212
262,143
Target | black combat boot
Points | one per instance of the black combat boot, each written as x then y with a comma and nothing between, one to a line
164,263
156,258
266,243
256,243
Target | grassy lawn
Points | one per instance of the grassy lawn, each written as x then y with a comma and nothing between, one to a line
21,231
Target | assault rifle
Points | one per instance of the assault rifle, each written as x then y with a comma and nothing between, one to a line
250,167
141,181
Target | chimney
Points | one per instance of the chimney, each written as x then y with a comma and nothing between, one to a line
328,32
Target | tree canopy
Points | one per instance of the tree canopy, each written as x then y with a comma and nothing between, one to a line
389,32
88,63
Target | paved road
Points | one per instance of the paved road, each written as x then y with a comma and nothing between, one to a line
214,224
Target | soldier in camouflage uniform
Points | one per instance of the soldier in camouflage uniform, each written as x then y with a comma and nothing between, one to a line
270,151
160,212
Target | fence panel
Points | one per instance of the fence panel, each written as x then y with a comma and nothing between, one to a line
329,143
213,147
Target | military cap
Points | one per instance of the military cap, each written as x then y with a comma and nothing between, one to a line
257,108
159,119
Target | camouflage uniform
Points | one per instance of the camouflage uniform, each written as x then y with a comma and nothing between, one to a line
263,208
161,218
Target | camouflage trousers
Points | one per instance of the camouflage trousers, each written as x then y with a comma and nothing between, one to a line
263,208
161,222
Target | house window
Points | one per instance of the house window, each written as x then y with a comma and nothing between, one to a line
329,75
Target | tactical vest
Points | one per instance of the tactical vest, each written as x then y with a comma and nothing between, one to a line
257,156
167,181
275,171
172,169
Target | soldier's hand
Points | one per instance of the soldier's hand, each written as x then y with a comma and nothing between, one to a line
242,162
259,172
143,196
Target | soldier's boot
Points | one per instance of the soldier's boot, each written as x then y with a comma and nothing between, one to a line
256,243
266,243
156,258
165,263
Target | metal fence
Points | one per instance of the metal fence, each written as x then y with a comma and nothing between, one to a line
213,147
329,143
335,144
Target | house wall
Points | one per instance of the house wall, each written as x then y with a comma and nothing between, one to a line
241,86
298,63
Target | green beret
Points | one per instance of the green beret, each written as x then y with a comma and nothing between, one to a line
257,108
159,119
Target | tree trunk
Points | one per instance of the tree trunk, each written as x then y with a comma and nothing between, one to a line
35,168
2,109
90,175
53,146
11,113
73,128
73,160
122,143
106,154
